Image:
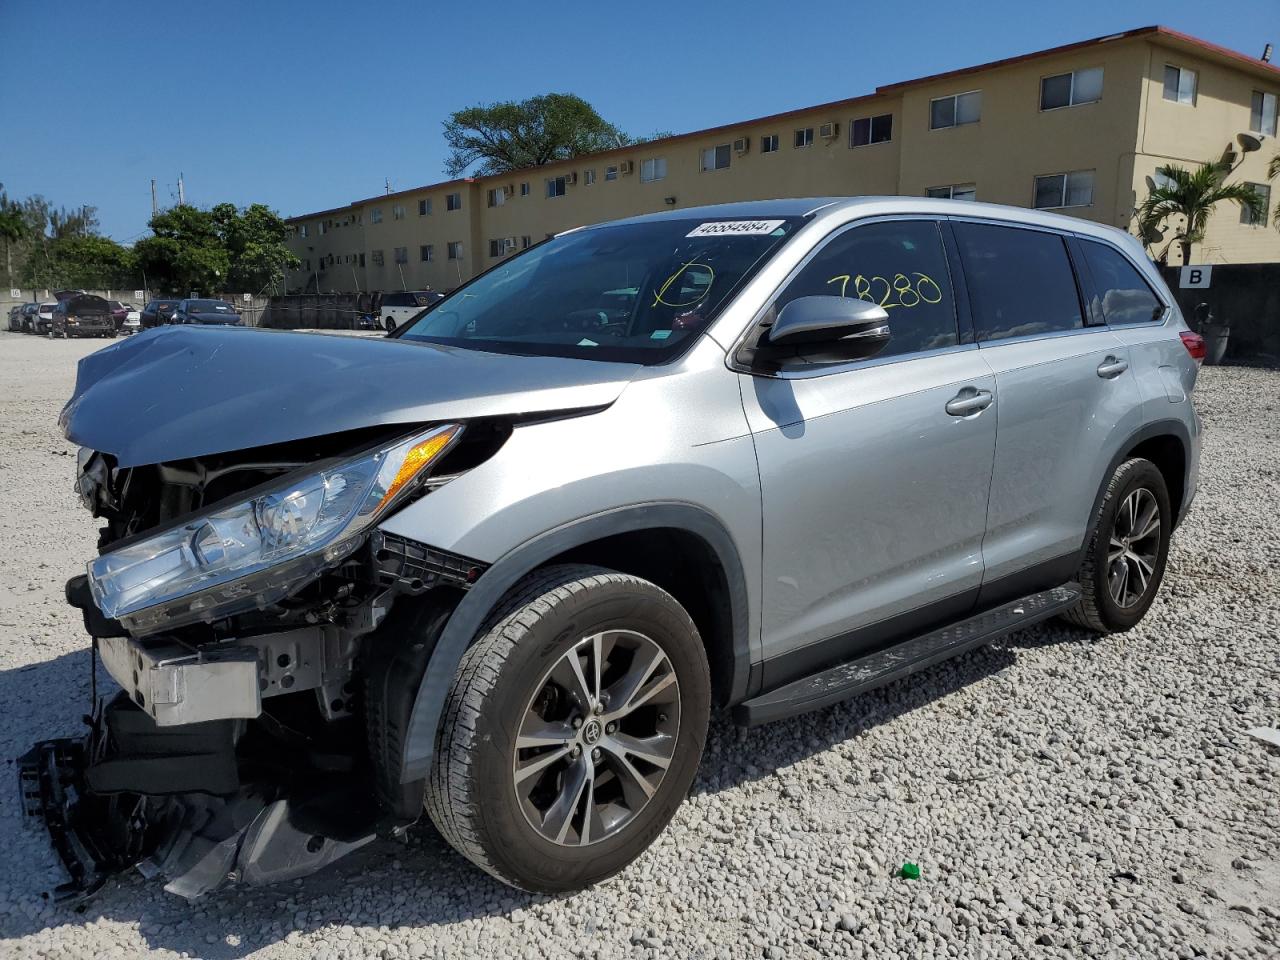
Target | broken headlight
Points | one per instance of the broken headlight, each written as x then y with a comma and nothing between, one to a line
258,548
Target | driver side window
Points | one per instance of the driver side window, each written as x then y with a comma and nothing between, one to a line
900,265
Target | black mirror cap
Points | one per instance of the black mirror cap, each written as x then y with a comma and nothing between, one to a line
824,329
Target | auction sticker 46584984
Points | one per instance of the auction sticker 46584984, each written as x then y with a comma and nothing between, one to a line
739,228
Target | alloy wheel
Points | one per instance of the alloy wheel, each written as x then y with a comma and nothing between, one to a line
1134,547
597,737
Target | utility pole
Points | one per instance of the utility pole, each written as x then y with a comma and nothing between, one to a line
155,208
388,186
182,193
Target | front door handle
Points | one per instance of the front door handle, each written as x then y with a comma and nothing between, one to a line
1112,367
969,401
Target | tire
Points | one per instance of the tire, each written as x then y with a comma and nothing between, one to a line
390,325
1138,482
546,619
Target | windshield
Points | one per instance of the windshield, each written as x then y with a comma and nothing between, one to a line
635,292
208,306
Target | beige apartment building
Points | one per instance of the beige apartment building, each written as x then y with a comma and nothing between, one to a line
1077,129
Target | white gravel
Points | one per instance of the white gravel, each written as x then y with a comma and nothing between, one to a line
1063,796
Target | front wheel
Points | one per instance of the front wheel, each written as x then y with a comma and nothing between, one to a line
573,730
1127,550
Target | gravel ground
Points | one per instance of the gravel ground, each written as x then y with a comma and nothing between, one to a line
1063,796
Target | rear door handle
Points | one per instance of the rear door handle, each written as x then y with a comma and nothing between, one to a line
1112,367
969,401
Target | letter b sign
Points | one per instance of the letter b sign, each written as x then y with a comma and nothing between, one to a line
1195,278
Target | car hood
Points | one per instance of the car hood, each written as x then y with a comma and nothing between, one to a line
177,392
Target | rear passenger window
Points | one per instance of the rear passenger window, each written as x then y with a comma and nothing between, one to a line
899,265
1120,293
1020,281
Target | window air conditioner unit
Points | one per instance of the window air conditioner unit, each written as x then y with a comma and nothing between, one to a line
626,166
828,130
571,177
740,145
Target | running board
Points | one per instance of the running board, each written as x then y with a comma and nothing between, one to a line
849,679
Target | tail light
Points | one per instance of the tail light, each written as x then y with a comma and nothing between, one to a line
1194,344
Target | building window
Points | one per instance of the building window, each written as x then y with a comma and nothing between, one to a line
426,253
611,172
524,189
655,168
869,130
424,208
955,111
302,231
1179,84
376,255
362,261
324,227
769,143
953,191
375,216
497,197
453,201
1263,190
1262,113
588,177
397,212
803,137
455,249
497,248
557,186
1064,190
402,254
716,158
1071,89
525,242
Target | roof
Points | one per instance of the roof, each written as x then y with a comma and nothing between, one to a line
1158,33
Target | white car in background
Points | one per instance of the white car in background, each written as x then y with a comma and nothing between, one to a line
43,320
397,309
132,321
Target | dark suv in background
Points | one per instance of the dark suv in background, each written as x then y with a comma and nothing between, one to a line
205,312
82,315
157,312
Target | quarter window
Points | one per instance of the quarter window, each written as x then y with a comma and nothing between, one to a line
1179,84
954,191
1020,281
716,158
1071,89
769,143
655,168
868,130
1263,191
1120,294
1064,190
1262,113
956,110
899,265
804,137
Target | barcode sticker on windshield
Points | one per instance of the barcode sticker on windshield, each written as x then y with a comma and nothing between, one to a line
737,228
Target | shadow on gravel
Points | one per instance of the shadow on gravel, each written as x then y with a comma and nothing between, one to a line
421,882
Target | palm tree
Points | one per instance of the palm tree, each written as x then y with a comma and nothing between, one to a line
1273,171
1192,194
12,229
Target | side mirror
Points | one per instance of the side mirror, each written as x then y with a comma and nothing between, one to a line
825,329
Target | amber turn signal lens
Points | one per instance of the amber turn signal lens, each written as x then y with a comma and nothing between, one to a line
416,459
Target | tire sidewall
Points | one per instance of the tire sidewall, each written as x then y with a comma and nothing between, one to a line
1142,474
517,849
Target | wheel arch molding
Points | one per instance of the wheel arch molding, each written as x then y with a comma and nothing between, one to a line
595,538
1167,444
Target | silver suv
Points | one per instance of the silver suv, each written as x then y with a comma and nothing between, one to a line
757,458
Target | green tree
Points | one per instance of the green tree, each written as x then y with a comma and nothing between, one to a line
500,137
1273,171
13,229
89,262
216,250
1192,195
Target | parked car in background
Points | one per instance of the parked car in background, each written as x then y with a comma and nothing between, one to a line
120,311
15,317
42,320
27,319
397,309
157,312
82,315
205,312
132,322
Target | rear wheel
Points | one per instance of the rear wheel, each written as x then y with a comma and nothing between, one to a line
390,324
573,729
1128,547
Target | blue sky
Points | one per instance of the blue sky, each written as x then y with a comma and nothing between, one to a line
305,106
